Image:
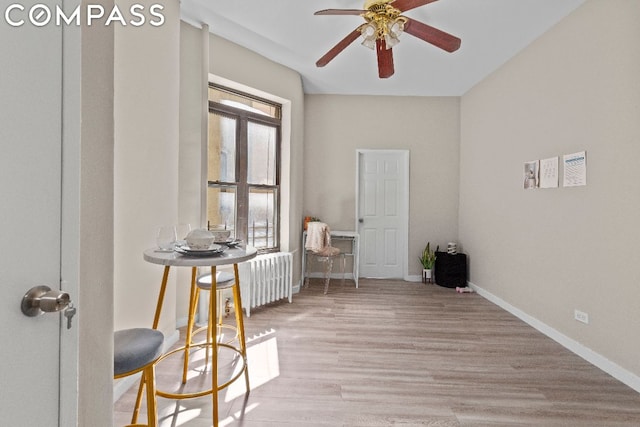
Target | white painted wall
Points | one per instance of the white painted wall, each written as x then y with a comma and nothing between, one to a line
147,72
547,252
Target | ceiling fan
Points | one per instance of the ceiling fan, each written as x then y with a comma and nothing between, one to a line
384,24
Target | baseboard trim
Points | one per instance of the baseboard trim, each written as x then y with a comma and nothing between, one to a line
121,386
596,359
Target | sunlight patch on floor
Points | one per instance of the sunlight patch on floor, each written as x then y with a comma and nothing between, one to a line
238,415
177,415
263,361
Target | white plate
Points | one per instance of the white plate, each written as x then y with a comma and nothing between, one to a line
233,242
188,248
210,251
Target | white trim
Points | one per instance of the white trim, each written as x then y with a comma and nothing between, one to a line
404,226
71,163
616,371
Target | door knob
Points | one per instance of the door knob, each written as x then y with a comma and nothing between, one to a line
360,220
41,299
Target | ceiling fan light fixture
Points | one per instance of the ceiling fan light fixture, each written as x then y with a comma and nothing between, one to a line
393,31
390,40
369,34
370,43
397,27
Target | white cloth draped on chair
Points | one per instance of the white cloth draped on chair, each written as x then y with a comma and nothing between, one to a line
319,239
318,244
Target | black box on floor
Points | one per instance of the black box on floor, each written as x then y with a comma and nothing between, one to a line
451,270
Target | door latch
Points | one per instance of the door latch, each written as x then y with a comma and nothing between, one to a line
41,299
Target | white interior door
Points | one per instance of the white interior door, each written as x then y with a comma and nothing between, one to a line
382,212
30,212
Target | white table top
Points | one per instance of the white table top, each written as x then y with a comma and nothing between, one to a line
230,256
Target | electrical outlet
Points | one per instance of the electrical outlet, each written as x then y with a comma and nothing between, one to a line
581,316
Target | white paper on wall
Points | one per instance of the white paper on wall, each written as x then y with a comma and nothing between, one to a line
549,173
575,169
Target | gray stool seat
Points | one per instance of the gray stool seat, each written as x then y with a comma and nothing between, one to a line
135,348
224,280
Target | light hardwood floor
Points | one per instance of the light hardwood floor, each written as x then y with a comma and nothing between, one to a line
394,353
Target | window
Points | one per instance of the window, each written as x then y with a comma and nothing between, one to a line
243,177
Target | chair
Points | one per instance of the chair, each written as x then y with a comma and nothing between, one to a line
137,350
318,245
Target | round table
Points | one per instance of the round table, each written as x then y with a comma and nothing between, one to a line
231,256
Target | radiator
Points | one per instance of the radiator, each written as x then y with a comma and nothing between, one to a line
266,278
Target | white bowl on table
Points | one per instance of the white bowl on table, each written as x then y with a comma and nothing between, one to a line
220,236
200,239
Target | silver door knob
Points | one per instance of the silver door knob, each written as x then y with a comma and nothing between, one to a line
41,299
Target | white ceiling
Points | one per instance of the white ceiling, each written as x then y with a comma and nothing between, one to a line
287,32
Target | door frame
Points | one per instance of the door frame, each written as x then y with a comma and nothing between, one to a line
404,202
71,108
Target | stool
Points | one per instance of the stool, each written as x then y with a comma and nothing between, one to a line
224,281
137,350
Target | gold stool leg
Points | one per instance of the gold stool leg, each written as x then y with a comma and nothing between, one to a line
156,320
213,308
152,414
136,409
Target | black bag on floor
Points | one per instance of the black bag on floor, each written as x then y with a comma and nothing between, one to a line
451,270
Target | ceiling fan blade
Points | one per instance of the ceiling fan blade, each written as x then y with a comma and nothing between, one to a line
432,35
340,12
385,59
404,5
342,44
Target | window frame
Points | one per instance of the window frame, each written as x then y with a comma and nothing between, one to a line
243,187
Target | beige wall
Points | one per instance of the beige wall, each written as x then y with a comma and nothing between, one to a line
241,67
146,164
547,252
336,126
94,223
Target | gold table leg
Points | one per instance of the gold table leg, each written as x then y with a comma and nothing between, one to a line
240,324
193,301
